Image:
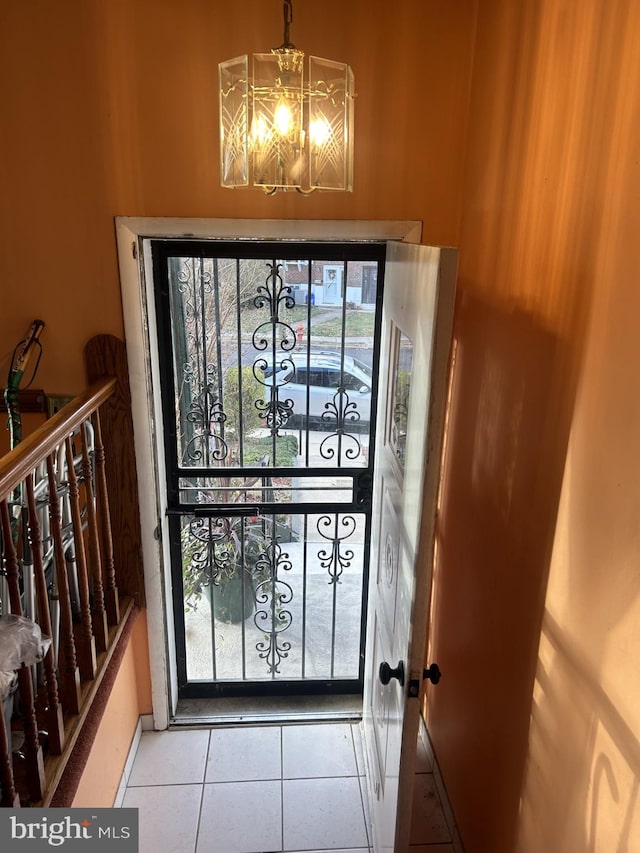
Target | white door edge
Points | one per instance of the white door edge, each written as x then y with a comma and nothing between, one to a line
418,309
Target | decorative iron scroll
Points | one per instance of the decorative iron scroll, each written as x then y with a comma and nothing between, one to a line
216,548
342,410
205,409
337,559
271,595
279,337
274,411
209,548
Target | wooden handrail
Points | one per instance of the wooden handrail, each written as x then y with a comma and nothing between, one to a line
20,462
58,558
63,492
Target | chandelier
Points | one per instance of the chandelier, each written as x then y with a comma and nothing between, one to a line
278,131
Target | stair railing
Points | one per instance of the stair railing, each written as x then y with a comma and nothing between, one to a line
58,570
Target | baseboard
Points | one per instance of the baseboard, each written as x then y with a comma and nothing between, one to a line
441,788
147,722
128,765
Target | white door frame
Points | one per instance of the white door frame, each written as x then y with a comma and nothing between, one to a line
133,235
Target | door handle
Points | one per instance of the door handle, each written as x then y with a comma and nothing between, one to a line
386,673
433,673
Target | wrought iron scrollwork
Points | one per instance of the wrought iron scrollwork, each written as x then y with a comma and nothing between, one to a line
342,410
204,408
272,595
208,546
279,337
338,558
186,275
274,294
204,413
274,411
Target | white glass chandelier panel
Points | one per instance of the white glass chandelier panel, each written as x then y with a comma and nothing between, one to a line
330,144
275,132
276,137
234,122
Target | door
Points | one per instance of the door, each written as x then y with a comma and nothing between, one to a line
268,439
416,336
332,281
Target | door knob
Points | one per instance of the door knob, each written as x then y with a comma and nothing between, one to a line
433,673
386,673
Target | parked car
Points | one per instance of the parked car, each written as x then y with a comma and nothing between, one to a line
317,378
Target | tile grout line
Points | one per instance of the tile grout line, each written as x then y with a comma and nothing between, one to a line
209,756
281,788
204,776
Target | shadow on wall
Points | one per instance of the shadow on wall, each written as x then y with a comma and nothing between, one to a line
508,428
600,788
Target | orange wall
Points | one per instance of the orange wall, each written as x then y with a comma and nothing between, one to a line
130,697
110,108
537,721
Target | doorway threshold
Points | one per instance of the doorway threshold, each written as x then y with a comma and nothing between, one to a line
267,710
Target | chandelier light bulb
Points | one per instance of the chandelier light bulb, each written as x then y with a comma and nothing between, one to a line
283,120
319,132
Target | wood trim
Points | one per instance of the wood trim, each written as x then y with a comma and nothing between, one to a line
106,355
314,230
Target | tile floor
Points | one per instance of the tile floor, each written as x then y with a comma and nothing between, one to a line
262,789
250,790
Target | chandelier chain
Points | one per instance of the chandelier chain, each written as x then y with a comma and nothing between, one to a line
287,13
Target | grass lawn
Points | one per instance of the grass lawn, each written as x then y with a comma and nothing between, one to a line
252,317
358,324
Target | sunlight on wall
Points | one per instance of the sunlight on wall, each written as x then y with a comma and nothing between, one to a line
548,296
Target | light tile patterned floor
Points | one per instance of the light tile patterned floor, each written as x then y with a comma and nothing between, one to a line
267,789
250,790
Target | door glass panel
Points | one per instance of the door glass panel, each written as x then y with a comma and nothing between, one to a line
401,378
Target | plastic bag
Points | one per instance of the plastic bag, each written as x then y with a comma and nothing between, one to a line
21,642
8,684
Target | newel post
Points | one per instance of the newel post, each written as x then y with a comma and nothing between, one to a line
106,356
